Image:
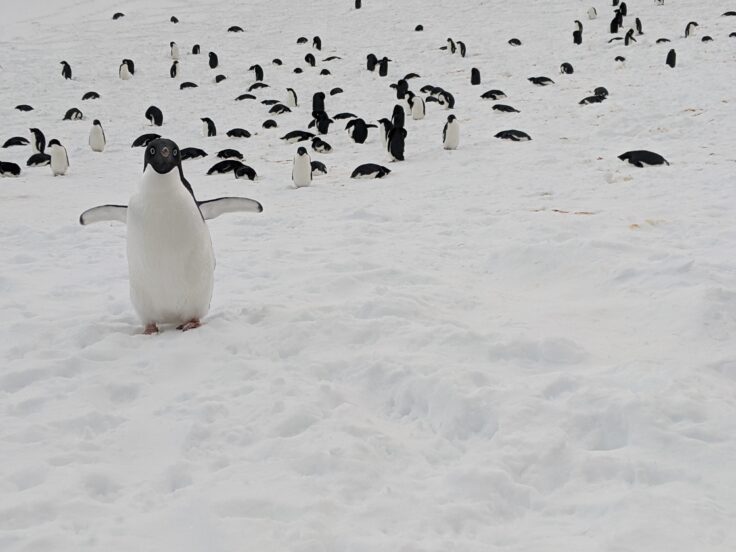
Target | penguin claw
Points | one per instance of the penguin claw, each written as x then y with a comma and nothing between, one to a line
192,324
151,329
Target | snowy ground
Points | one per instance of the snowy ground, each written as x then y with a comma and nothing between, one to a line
511,346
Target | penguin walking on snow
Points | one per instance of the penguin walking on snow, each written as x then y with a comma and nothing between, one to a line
59,158
97,137
66,70
418,109
124,71
451,133
301,172
170,258
396,142
291,98
208,127
173,50
38,144
174,71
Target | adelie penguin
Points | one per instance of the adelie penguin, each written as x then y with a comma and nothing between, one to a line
124,71
451,133
566,69
59,158
383,67
66,70
385,127
358,130
461,48
370,170
641,158
174,71
258,70
38,143
301,172
9,169
291,98
672,59
629,38
97,139
208,127
396,142
371,62
320,146
309,59
318,168
171,262
398,117
690,29
474,76
418,108
577,37
318,102
173,50
154,116
592,13
317,43
213,61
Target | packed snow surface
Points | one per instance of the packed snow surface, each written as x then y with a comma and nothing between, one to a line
517,346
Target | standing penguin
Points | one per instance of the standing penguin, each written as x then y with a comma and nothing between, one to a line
173,50
291,98
258,71
38,144
474,76
451,46
154,116
358,130
637,23
318,101
371,62
174,71
672,59
317,43
629,38
396,140
418,108
59,158
451,133
385,126
397,117
383,67
462,48
208,127
97,139
301,173
66,70
170,258
592,13
690,29
214,62
577,37
124,71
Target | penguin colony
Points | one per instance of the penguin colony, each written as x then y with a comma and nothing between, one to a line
387,139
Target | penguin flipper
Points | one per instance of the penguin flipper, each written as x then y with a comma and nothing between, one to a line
213,208
104,213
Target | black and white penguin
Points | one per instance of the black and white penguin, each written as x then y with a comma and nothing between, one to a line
15,141
174,19
144,139
493,95
418,108
235,29
601,91
541,81
396,143
505,108
318,101
238,133
196,50
302,40
301,172
174,71
398,117
97,139
258,70
629,38
383,67
185,85
38,160
59,158
690,28
402,87
637,24
66,70
671,58
9,169
577,37
318,168
220,78
170,258
335,91
213,61
291,98
566,69
513,135
451,133
244,172
475,76
321,121
592,13
358,130
154,116
385,127
370,170
208,127
310,60
124,71
640,158
91,95
257,85
192,153
224,167
371,62
173,50
461,47
277,61
320,146
297,136
24,107
623,9
317,43
514,42
229,153
38,143
592,99
358,4
451,48
117,15
279,109
73,114
445,99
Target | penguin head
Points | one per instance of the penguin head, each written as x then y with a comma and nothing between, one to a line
301,151
63,63
96,122
451,118
162,155
171,44
54,142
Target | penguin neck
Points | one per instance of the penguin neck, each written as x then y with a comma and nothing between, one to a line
154,183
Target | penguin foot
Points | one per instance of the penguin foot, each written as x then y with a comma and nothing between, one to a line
151,329
189,325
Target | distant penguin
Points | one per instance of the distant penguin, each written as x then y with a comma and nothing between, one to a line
358,4
690,29
321,121
418,109
301,172
371,62
214,61
462,48
577,37
318,101
623,9
592,13
174,71
566,69
358,130
124,71
291,98
396,143
258,71
402,87
173,50
671,58
9,169
154,116
451,133
309,59
641,158
317,43
196,49
451,48
383,67
59,158
208,127
385,127
66,70
397,117
637,24
370,170
474,76
97,137
320,146
629,38
38,143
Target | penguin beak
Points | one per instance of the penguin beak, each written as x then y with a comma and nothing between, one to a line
165,152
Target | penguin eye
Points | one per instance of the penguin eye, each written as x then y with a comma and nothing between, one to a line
153,151
176,152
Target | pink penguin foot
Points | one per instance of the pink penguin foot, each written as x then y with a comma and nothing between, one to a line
189,325
151,329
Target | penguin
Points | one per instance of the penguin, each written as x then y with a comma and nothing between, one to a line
317,43
451,133
474,76
318,101
131,65
358,4
38,144
38,160
418,108
601,91
446,99
9,169
258,71
97,139
245,97
24,107
662,40
402,87
297,136
73,114
335,91
706,39
325,72
245,172
566,69
170,257
640,158
385,127
623,9
514,42
224,167
620,61
214,62
451,48
513,135
238,133
358,130
493,95
318,168
220,78
235,29
209,129
690,29
592,99
309,59
321,121
16,141
117,15
592,13
541,81
383,67
302,40
345,115
577,37
505,108
371,62
578,26
174,71
397,117
185,85
629,38
370,170
154,116
462,48
671,58
91,95
396,140
124,71
277,61
144,139
196,49
192,153
173,50
637,24
230,153
59,158
256,86
66,70
419,28
301,173
174,19
320,146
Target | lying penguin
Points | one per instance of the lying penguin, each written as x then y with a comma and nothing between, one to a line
170,258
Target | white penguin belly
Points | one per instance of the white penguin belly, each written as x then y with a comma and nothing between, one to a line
452,138
170,258
58,163
417,109
302,173
96,140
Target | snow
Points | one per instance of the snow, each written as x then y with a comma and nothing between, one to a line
510,346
